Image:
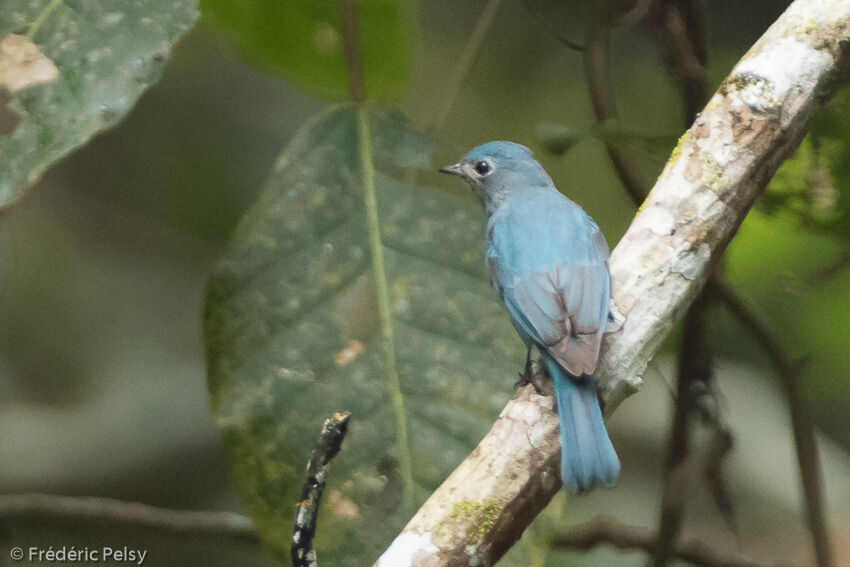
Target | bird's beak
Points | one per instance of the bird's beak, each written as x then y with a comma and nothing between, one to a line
453,169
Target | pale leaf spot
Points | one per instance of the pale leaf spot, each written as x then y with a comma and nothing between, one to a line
326,39
346,356
342,507
22,65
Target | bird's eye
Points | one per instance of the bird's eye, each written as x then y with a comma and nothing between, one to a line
482,167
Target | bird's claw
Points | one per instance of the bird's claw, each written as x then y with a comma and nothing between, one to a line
528,377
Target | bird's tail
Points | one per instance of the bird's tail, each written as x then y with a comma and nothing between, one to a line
588,459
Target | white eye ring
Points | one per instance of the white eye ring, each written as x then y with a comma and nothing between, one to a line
482,167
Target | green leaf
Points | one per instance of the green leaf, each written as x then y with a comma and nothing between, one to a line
302,41
105,55
351,286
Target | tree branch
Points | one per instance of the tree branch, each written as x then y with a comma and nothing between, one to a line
307,510
44,508
695,362
622,536
720,166
680,25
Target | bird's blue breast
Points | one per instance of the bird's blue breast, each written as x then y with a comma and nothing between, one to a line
540,228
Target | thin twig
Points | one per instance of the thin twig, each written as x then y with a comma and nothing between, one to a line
43,508
622,536
307,510
350,38
597,71
467,58
541,17
695,373
680,30
801,421
688,23
637,13
685,55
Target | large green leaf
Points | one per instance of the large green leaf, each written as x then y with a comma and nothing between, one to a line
302,41
294,331
105,54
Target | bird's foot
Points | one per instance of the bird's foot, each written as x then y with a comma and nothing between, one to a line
529,377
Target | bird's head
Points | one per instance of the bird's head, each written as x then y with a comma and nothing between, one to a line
496,169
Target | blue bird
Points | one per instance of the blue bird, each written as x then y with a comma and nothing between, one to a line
549,262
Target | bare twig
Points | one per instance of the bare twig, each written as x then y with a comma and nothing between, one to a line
467,58
541,17
679,27
307,510
695,374
43,508
597,71
637,13
801,421
680,30
721,165
350,38
603,531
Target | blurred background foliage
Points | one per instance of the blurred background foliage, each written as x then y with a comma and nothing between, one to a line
103,264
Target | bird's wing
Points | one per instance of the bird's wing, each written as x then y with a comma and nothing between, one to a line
564,306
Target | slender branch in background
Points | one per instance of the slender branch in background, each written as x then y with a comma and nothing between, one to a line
552,29
682,42
753,122
694,373
801,421
637,13
307,510
719,447
350,38
679,26
82,510
467,58
602,531
597,70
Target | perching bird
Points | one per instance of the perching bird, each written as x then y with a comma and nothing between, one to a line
549,262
